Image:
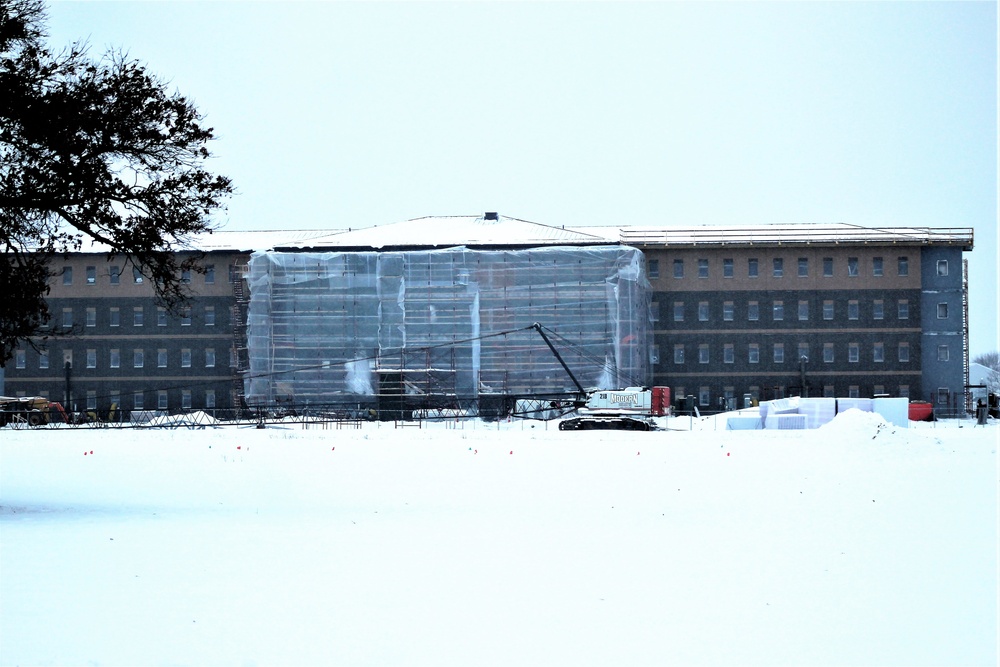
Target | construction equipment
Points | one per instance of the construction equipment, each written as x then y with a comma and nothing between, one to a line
629,409
30,410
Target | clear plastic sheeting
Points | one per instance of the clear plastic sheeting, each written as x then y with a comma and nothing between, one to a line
426,328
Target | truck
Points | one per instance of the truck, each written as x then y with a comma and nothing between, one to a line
630,409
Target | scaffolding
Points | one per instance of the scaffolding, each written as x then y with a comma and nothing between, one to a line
443,329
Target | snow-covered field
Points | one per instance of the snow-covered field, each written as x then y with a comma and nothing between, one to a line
510,544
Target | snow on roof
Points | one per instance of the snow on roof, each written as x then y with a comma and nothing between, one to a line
232,240
503,231
796,233
451,231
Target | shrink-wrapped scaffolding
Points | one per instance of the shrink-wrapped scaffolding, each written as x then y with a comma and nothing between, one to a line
367,330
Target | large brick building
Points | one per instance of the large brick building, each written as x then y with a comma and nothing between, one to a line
760,311
809,310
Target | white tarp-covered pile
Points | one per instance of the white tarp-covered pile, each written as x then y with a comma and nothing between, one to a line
809,413
330,328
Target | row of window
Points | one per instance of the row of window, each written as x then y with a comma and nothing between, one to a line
138,316
114,359
114,275
753,267
139,402
729,400
802,310
802,350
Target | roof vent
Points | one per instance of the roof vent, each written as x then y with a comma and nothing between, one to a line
491,215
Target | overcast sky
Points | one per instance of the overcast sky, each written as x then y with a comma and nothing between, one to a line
336,115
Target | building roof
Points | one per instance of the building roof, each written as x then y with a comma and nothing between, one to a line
490,230
505,232
796,234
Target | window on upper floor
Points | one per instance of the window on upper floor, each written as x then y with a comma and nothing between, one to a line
903,266
803,267
652,269
20,358
703,353
136,275
91,275
942,311
703,268
778,311
210,314
727,268
877,266
654,312
779,353
678,353
778,265
942,267
803,311
678,311
878,309
753,311
828,353
752,267
903,309
210,357
852,266
115,317
67,275
828,309
210,272
942,353
43,359
903,352
728,310
828,267
116,275
728,353
853,309
754,353
91,317
878,353
67,318
703,311
678,268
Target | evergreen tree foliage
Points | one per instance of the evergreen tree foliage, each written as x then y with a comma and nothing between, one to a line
92,150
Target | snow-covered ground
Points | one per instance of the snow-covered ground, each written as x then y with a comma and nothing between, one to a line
510,544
